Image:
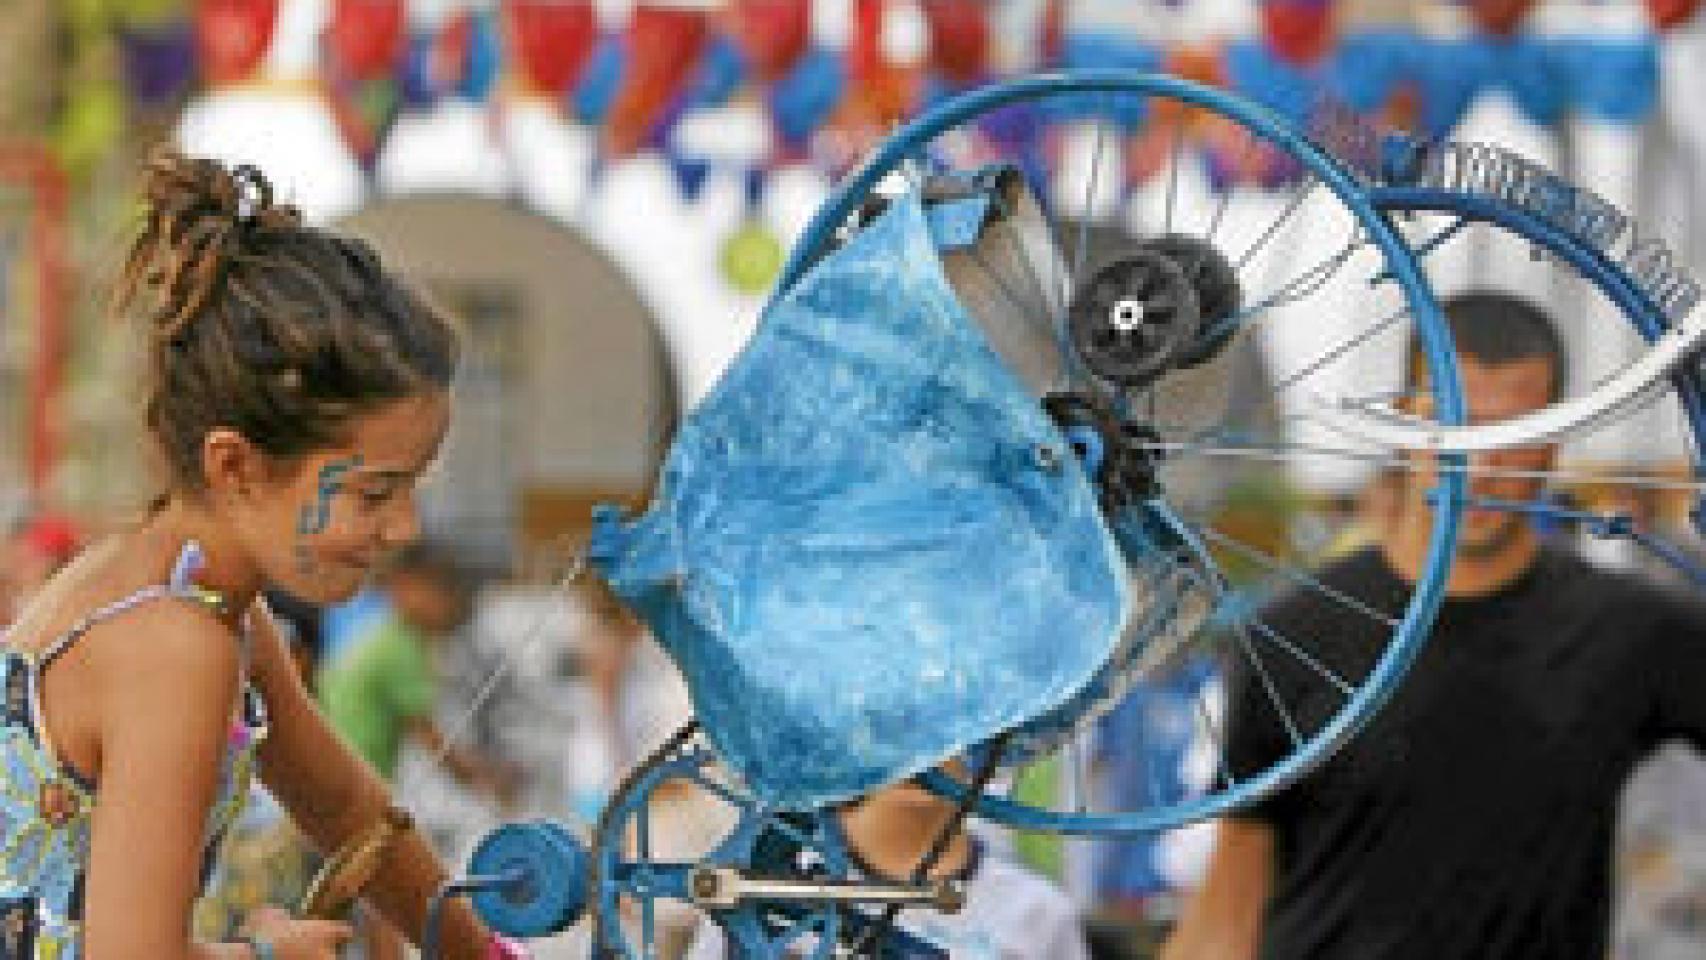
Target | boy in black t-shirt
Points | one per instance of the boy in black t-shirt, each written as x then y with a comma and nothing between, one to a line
1473,817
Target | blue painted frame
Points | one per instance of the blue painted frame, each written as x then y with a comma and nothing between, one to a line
619,875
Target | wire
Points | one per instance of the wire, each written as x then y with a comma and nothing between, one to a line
474,884
459,727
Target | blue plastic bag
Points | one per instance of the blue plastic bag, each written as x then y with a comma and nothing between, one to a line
870,549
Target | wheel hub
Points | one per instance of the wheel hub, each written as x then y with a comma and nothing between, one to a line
1133,317
1122,458
1158,306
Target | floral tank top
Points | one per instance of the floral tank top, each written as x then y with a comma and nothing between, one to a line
45,805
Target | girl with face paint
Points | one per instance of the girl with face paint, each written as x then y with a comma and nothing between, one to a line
297,391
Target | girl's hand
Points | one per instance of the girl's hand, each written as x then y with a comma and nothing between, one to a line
294,939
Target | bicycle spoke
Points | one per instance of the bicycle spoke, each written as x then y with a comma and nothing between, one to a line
1217,737
1291,572
1006,291
1292,452
1174,154
1300,655
1340,350
1303,191
1081,252
1306,284
1268,685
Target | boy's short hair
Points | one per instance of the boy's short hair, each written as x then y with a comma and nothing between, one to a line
428,561
1495,328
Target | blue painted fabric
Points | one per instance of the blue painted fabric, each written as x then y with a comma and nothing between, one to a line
803,99
1171,600
1611,79
1452,74
870,548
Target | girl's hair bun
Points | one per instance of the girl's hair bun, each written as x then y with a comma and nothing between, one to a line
200,216
283,331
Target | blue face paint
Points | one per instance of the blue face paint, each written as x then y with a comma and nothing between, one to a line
313,519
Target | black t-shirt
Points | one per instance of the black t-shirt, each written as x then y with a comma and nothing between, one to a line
1473,816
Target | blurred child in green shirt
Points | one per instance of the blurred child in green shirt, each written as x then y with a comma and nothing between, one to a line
382,691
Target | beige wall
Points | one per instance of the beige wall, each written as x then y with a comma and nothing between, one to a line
591,394
591,369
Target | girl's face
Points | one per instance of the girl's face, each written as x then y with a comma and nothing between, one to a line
322,526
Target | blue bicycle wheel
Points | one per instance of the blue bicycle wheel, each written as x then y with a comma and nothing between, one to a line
1123,322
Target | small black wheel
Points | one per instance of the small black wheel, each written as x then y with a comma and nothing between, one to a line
1219,295
1133,317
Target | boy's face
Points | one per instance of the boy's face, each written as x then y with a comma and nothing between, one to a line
425,602
1497,392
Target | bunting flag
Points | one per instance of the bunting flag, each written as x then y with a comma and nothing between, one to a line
771,35
828,104
1373,68
600,79
885,79
1669,14
1149,150
1300,32
865,46
231,38
1451,75
662,49
721,74
691,173
462,58
1500,18
364,42
366,39
551,41
804,100
959,41
158,61
1053,32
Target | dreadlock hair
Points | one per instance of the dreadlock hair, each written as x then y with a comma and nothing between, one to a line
256,322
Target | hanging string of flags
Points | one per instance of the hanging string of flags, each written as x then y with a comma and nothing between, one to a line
635,80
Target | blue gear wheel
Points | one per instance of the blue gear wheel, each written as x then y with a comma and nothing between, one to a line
551,898
802,845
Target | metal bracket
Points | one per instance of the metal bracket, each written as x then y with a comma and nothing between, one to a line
725,888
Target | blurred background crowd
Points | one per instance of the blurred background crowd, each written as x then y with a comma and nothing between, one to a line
603,191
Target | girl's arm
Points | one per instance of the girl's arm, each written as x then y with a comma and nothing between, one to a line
332,795
163,695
